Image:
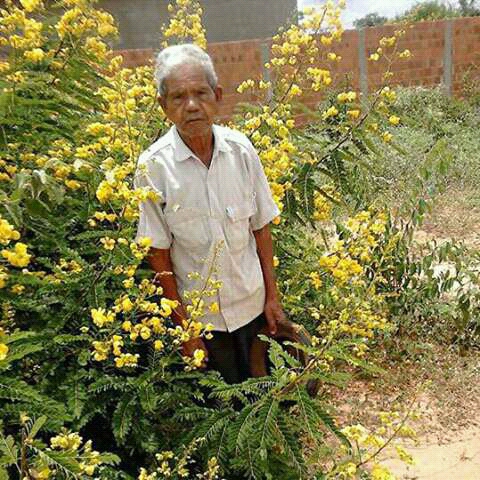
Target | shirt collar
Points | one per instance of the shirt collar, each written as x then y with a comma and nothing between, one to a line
182,152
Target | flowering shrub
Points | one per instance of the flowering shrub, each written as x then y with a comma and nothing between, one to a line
87,346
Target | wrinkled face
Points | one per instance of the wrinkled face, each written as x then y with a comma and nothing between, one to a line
189,101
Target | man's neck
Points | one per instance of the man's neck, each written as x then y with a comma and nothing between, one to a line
201,146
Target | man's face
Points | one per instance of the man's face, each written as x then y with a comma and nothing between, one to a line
189,101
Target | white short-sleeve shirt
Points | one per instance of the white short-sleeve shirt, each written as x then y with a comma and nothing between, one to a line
199,207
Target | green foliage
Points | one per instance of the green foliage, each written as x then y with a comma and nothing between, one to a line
53,382
370,20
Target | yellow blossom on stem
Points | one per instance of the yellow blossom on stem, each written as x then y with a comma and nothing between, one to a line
3,351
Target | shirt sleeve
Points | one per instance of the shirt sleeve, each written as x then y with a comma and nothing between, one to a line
152,221
267,209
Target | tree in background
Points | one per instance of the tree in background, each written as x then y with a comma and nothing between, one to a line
431,10
370,20
469,8
421,11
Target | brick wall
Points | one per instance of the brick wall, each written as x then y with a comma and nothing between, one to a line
443,52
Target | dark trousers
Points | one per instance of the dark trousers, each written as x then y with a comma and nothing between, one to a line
229,352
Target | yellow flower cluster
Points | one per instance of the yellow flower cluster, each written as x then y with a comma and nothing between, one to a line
36,55
295,53
66,441
79,21
196,361
368,443
17,30
7,232
129,100
171,466
185,23
148,323
322,202
88,458
18,257
101,317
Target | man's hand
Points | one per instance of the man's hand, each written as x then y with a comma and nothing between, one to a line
188,349
274,314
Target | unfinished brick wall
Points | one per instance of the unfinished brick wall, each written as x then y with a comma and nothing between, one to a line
444,52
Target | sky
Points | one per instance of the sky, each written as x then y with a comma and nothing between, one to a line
358,8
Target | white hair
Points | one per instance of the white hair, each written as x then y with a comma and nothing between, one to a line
176,55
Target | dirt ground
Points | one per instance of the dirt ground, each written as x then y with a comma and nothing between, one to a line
444,390
444,386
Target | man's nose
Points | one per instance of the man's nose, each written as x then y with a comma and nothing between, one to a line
192,103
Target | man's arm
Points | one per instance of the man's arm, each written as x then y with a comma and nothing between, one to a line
161,262
273,310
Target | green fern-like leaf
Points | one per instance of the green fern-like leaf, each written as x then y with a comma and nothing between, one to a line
123,417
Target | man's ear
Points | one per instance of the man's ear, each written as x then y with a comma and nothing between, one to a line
218,93
161,101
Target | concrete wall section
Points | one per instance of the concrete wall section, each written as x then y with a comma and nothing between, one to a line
224,20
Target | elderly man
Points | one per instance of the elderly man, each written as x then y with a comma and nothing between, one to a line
212,188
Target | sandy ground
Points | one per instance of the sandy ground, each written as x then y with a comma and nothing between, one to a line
457,459
445,390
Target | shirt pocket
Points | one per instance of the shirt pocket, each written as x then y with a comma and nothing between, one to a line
189,227
237,230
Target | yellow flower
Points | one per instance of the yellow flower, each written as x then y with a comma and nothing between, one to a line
198,357
374,57
73,184
295,90
3,351
346,97
17,289
326,40
316,280
405,54
145,333
30,5
167,306
3,278
100,317
387,137
354,114
331,112
381,473
158,345
108,243
214,308
127,305
388,41
394,120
